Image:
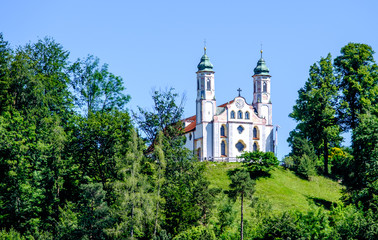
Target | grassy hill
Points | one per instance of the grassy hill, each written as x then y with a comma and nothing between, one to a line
283,190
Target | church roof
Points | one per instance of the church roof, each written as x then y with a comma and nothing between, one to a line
192,120
261,68
192,123
205,64
225,104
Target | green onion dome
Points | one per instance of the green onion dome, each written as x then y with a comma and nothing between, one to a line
261,68
205,64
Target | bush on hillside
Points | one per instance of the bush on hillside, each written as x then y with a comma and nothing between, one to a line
196,233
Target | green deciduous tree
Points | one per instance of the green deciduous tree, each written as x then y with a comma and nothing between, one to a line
259,163
5,62
96,141
358,74
315,109
165,116
95,88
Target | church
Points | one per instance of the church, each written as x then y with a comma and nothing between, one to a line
224,132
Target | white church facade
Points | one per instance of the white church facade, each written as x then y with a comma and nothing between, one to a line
224,132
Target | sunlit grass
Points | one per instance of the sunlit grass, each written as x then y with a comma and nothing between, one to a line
283,190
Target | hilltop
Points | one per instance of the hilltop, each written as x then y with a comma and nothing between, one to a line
283,190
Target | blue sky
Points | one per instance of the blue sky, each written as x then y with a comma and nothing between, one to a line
158,44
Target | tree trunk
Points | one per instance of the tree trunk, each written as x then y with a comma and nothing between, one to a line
132,222
326,156
157,209
241,217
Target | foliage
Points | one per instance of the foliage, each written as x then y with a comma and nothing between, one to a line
363,178
340,159
72,166
350,222
94,213
95,88
358,74
164,117
184,191
226,217
306,167
241,185
133,205
315,110
259,163
303,156
297,225
196,233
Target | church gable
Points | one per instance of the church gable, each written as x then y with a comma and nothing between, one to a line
238,110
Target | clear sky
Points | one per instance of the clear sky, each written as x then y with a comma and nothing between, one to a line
158,44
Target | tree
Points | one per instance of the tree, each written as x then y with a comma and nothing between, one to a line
164,117
95,142
95,88
188,198
358,74
33,123
94,213
363,179
133,201
48,61
315,109
161,166
241,185
5,61
303,155
259,163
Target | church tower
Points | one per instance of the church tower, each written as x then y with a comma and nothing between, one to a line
205,108
261,91
205,90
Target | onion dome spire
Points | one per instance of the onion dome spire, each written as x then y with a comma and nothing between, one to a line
261,68
205,64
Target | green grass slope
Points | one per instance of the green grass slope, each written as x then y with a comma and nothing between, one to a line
283,190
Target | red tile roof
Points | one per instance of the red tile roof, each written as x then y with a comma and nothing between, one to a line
192,123
192,120
225,104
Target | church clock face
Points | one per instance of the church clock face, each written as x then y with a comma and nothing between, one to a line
239,103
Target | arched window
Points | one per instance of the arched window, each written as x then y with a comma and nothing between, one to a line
240,146
223,131
233,114
255,147
256,133
198,84
240,114
223,148
246,115
208,87
264,87
190,136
